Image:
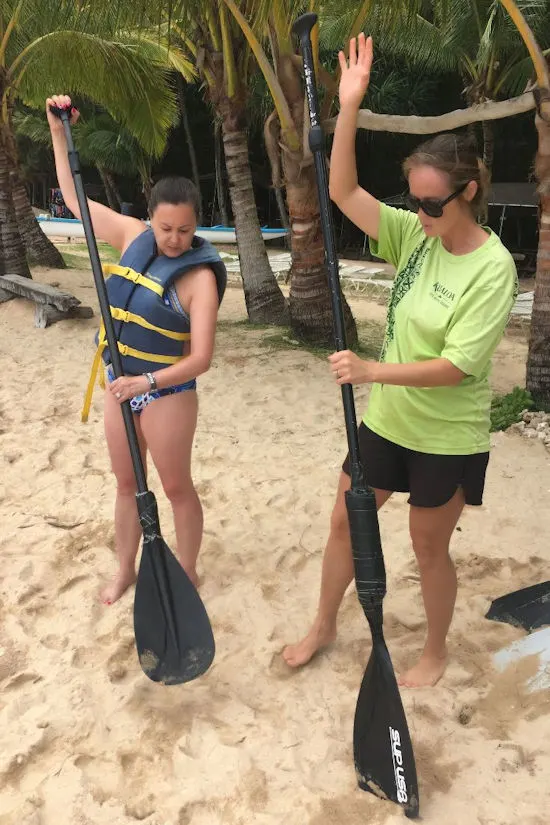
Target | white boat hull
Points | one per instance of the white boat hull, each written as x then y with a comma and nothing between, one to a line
70,228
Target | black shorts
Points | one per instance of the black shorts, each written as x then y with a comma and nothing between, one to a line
432,480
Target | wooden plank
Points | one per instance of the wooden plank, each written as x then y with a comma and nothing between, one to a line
5,296
45,314
39,293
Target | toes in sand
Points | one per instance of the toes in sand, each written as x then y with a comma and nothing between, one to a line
426,673
301,653
118,586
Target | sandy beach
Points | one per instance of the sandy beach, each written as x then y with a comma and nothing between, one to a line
86,739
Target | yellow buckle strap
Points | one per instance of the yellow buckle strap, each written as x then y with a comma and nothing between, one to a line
93,375
135,277
148,356
123,315
124,350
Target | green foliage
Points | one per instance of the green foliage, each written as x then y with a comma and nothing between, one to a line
476,38
507,409
52,46
76,255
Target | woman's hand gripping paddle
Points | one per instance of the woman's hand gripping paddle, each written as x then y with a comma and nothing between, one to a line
173,634
384,759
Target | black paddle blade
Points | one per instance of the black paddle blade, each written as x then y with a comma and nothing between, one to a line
382,747
174,638
383,752
528,608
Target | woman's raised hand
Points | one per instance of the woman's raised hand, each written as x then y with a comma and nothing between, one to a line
355,76
62,102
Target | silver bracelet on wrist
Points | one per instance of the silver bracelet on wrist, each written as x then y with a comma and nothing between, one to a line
151,378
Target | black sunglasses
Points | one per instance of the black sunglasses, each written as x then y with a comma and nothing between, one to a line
433,207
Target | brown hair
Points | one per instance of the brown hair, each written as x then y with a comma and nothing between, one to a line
457,157
174,190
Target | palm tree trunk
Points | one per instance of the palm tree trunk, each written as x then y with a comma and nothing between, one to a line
190,141
114,188
13,260
218,162
488,144
281,207
538,359
265,303
310,296
113,197
38,247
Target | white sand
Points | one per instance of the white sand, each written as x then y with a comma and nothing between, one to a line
86,739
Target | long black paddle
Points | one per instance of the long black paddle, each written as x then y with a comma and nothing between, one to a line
383,753
173,634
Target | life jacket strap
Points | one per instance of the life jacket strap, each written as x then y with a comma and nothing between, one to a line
135,277
130,317
124,350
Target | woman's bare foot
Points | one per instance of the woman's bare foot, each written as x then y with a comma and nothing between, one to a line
118,586
318,637
426,673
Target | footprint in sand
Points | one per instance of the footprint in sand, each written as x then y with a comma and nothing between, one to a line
519,759
12,456
83,657
12,660
21,679
293,559
123,661
29,593
23,749
52,455
269,591
54,642
88,465
71,583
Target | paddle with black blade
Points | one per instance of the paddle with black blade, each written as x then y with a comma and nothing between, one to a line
174,638
383,753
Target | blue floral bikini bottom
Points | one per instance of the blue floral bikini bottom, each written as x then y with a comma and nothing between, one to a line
139,402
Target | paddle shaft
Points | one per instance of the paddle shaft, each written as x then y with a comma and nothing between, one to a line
302,27
370,574
74,161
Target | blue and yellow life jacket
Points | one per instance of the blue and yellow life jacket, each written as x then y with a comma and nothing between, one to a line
150,333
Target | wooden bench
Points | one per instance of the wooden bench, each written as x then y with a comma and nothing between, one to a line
52,304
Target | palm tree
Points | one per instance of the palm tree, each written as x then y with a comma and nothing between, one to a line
267,28
38,248
101,143
182,86
206,33
478,40
54,45
538,360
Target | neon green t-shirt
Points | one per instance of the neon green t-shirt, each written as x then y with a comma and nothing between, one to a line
441,306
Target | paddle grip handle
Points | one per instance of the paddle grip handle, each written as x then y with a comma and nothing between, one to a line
304,24
368,559
65,116
63,113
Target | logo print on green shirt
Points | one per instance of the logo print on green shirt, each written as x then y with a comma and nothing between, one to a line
442,294
403,282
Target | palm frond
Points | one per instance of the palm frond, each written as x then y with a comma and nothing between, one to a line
128,79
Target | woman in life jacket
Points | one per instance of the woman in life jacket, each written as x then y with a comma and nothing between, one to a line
168,283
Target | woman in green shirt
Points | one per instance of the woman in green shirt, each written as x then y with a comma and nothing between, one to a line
426,429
